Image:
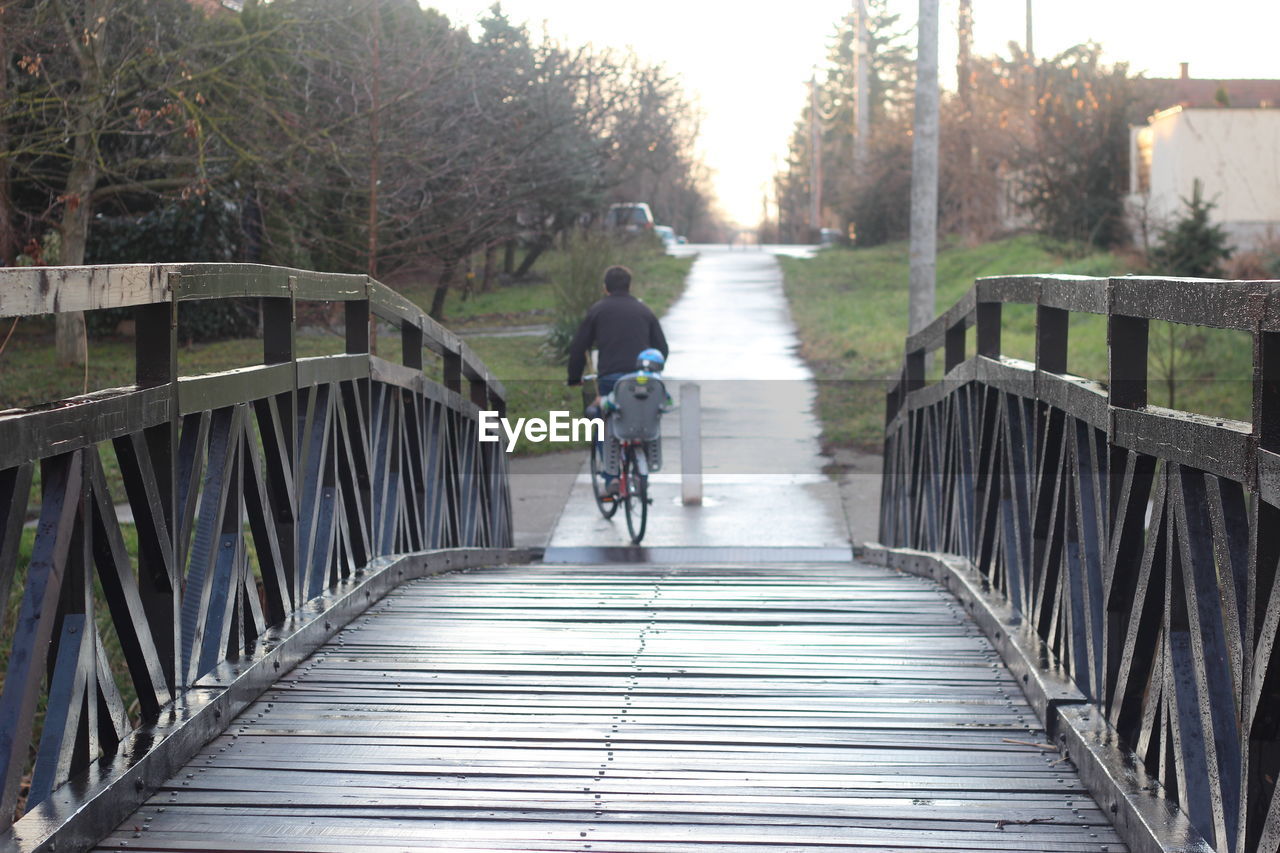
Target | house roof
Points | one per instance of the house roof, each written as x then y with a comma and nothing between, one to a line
1195,92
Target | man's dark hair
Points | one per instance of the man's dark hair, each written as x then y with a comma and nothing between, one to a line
617,280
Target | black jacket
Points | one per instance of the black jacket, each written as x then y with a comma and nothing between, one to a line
621,327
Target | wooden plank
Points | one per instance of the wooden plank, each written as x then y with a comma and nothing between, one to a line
50,290
638,708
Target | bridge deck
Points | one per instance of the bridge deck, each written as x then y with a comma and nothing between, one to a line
637,708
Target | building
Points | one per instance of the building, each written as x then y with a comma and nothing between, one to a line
1187,91
1223,133
1234,153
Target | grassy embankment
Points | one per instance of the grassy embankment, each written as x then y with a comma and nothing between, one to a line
850,307
659,280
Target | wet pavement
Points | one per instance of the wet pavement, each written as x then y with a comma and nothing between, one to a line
763,484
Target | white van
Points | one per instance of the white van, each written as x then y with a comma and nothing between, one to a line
632,217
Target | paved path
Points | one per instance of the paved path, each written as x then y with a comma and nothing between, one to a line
638,708
731,333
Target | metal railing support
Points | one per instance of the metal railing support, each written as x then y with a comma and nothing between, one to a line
328,464
1138,545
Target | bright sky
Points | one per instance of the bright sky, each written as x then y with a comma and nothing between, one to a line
746,64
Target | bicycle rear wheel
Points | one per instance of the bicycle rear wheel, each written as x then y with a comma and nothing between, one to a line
636,499
607,504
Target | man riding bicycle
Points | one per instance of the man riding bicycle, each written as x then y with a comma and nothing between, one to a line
621,327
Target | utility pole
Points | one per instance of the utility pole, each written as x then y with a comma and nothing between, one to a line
375,160
764,216
862,92
1031,50
964,90
815,157
964,56
924,172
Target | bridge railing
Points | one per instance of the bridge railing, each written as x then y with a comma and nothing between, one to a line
1139,543
252,492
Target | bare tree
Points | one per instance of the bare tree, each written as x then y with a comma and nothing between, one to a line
365,135
9,239
112,100
1074,163
340,173
631,130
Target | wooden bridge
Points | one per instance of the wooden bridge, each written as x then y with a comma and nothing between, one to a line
1063,643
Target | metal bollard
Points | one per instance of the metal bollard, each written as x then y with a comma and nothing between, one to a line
691,444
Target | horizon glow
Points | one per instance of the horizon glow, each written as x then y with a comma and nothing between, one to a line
747,71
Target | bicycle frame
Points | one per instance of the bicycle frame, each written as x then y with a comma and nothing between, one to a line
632,476
629,451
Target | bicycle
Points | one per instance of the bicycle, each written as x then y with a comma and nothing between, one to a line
633,468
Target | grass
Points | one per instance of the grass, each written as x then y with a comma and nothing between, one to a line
530,302
850,307
29,377
512,305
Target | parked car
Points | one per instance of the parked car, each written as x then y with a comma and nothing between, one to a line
666,234
632,217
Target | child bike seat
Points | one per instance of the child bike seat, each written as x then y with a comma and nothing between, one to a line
639,400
